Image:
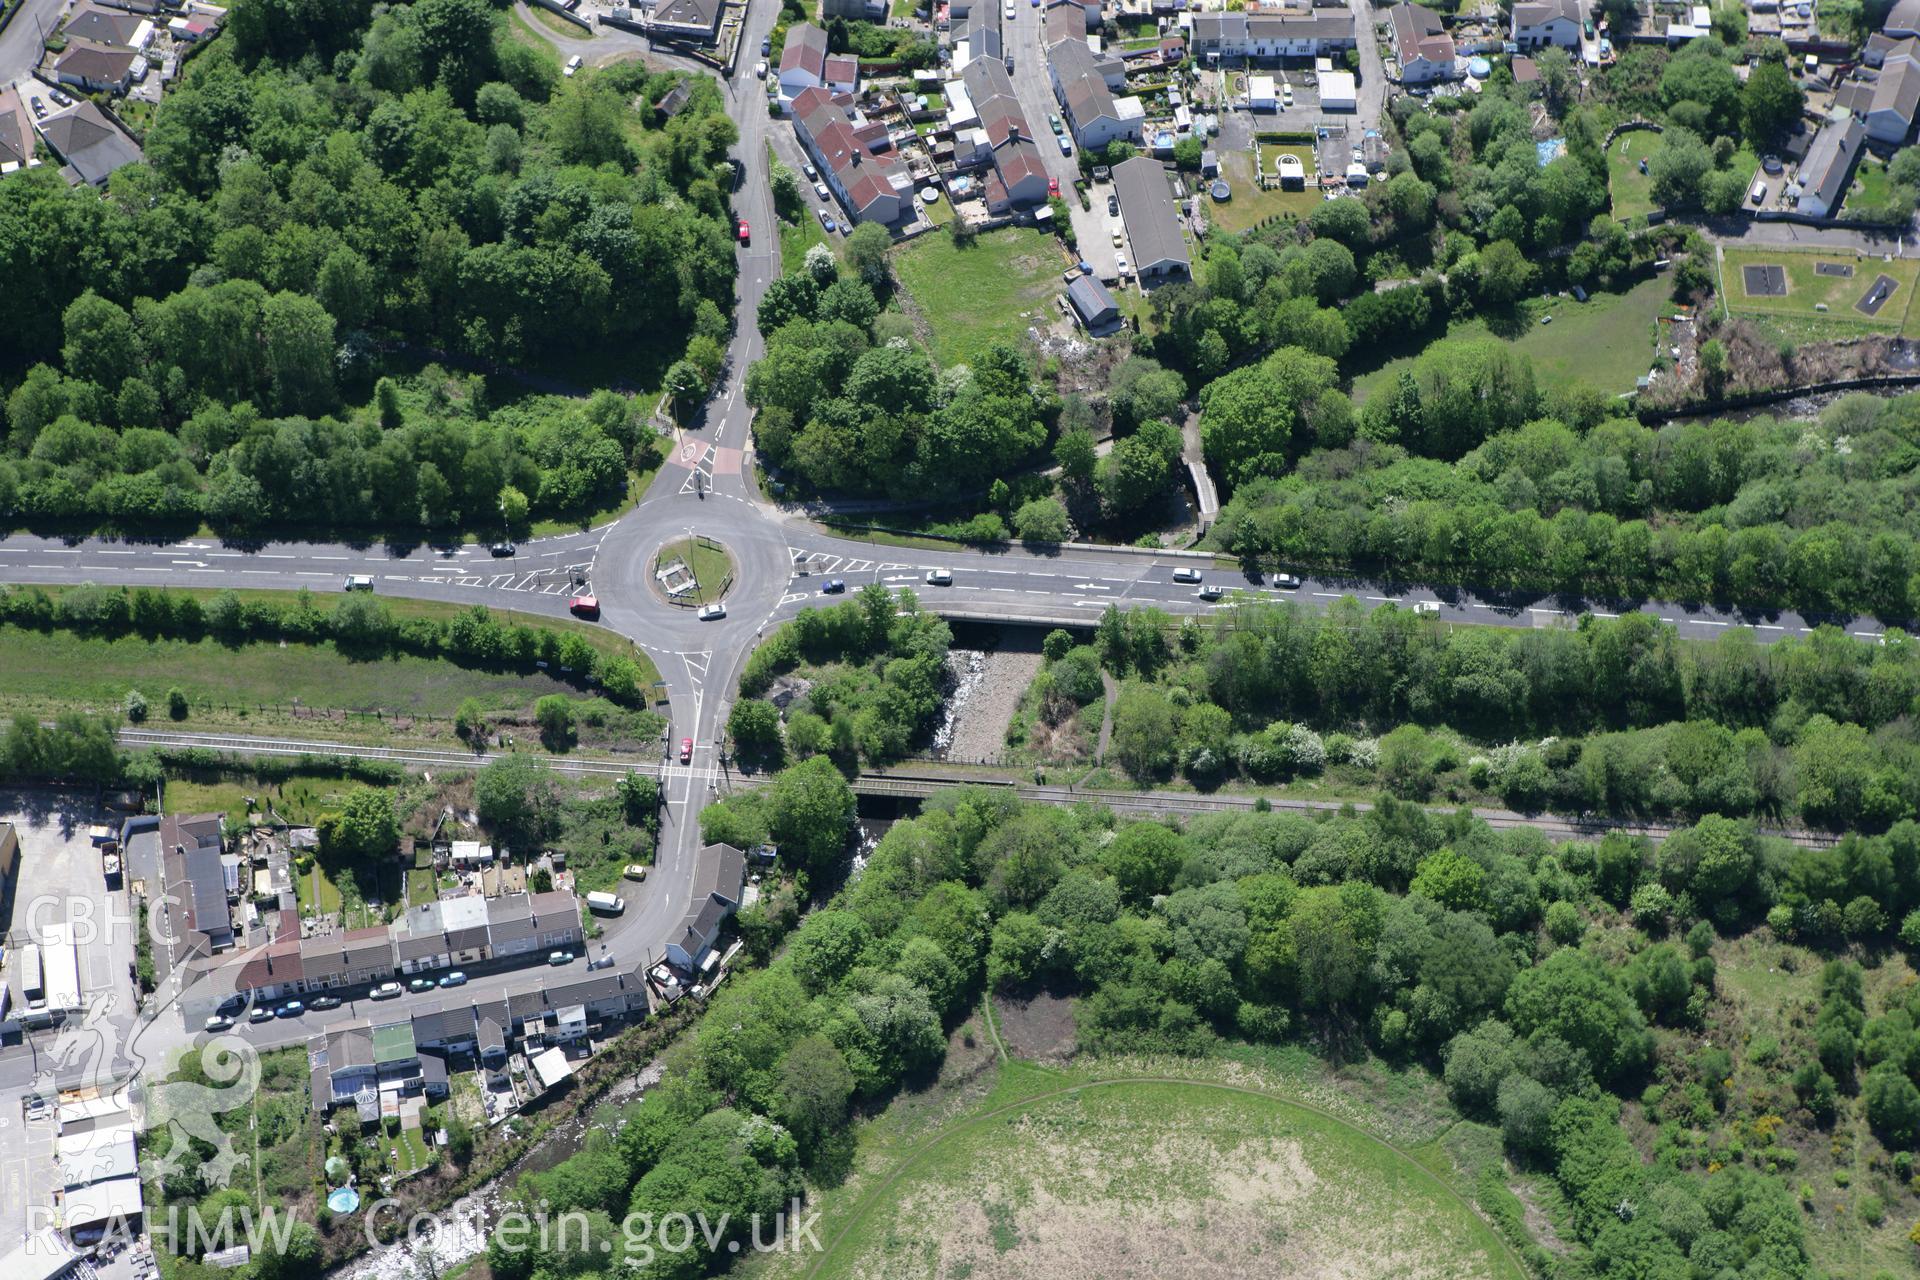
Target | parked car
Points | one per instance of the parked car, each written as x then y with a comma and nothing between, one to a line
60,97
760,69
385,991
39,109
806,167
1286,582
1053,186
635,871
260,1013
454,979
1113,206
501,550
1185,574
558,958
325,1002
939,577
825,220
574,64
418,985
820,189
1117,238
712,612
219,1022
611,904
1054,123
833,586
766,45
584,606
686,751
1066,148
291,1009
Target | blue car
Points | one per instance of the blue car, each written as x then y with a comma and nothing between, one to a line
291,1009
454,979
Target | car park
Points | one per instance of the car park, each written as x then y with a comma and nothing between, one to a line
385,991
939,577
1286,582
558,958
574,64
686,751
291,1009
324,1002
584,606
1185,574
454,979
219,1022
501,550
833,586
712,612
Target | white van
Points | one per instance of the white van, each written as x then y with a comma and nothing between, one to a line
1184,574
606,904
574,64
359,582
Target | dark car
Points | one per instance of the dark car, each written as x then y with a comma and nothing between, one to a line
60,98
324,1002
766,45
502,549
833,586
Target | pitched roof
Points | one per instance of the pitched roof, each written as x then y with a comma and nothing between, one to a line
102,25
101,63
1830,159
805,50
1085,89
1898,89
1146,205
1090,298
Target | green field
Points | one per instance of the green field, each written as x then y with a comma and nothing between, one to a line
986,292
798,237
1606,341
1632,191
1150,1178
254,687
1808,291
710,565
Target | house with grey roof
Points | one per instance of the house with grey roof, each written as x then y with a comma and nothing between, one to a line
719,882
1823,177
510,927
1421,45
99,68
1092,302
1151,219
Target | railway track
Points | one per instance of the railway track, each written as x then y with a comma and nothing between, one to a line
913,786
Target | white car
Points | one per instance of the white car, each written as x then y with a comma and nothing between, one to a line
1426,606
574,64
760,70
1212,591
219,1022
1286,582
712,612
939,577
1186,575
820,189
385,991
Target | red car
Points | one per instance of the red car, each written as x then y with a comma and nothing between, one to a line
584,606
1053,186
686,751
746,232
